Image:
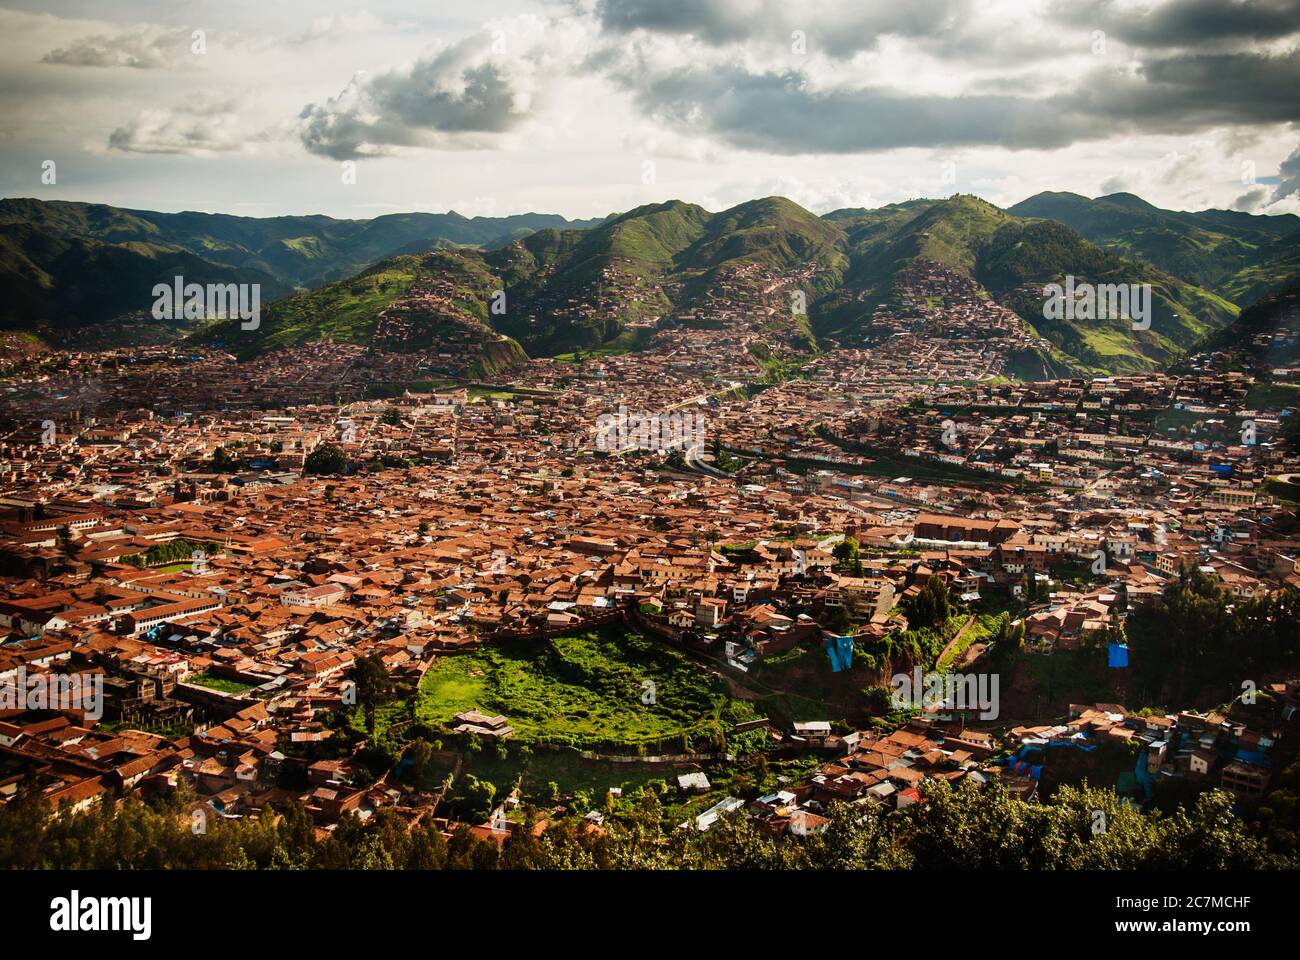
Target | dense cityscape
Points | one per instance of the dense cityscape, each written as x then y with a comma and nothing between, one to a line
449,606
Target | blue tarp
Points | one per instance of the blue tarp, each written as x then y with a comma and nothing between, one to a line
1020,768
840,650
1118,655
1142,774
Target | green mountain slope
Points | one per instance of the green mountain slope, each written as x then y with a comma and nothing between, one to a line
299,251
54,286
1268,330
437,301
566,289
1023,256
584,291
1238,255
490,291
1013,258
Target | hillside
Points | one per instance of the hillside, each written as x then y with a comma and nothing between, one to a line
1268,331
54,287
1237,255
1024,255
424,283
1013,258
298,251
567,289
435,302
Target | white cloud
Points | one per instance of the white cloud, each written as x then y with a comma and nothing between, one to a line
199,129
145,48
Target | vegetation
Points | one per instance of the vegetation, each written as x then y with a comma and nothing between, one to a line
1196,634
173,552
609,688
372,685
955,828
328,459
643,263
1239,257
223,684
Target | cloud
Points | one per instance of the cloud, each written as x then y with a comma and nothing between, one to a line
151,48
1289,171
198,129
1251,200
840,28
821,197
460,96
789,113
1183,23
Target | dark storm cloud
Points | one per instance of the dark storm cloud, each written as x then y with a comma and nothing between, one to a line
1184,23
840,28
777,113
1167,83
782,114
1289,171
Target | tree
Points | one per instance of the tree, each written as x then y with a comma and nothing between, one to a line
373,686
931,607
223,462
837,619
327,459
392,417
846,552
418,754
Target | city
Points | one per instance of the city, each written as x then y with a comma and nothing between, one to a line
720,522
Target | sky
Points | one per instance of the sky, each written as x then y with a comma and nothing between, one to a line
587,107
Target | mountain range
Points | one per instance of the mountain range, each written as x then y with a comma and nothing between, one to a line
543,285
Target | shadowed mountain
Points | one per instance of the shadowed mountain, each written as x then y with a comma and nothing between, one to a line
298,251
57,287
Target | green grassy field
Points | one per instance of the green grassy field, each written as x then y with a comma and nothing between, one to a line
590,689
219,683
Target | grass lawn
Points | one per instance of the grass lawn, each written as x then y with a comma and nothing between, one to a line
386,715
569,772
587,690
220,683
983,629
